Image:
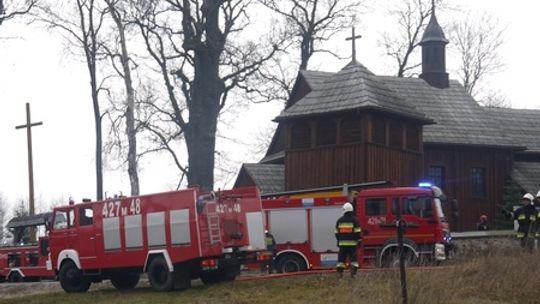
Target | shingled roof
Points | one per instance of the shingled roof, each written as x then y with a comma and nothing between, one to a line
354,87
269,177
520,124
527,175
459,118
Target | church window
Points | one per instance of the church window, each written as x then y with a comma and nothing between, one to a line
300,136
478,182
351,130
436,176
326,132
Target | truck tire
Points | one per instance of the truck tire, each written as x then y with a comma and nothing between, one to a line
125,280
15,277
391,259
290,263
161,279
72,279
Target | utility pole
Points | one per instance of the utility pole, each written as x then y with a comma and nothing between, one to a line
400,224
28,126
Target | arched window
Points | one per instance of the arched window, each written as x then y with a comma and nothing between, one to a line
300,136
326,132
351,130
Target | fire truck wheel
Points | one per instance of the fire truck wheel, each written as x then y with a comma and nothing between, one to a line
125,280
290,263
15,277
391,259
72,279
161,279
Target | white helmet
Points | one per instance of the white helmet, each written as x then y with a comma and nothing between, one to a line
347,207
528,196
538,194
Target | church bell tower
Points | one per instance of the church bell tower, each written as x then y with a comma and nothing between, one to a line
434,54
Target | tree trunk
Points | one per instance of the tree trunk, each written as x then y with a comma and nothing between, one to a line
207,88
99,145
130,104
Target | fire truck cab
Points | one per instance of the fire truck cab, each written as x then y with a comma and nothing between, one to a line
303,226
174,237
25,257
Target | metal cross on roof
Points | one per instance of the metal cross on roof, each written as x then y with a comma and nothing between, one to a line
353,39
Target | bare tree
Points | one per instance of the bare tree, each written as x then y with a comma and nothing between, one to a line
10,9
205,55
81,28
412,16
124,71
478,41
495,99
313,22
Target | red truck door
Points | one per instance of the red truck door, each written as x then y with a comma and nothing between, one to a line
418,209
373,212
86,235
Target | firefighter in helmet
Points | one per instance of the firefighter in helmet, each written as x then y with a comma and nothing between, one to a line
349,235
269,263
526,218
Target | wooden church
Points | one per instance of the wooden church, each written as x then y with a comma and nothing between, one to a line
354,126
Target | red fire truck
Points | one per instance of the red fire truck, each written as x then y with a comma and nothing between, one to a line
26,259
302,223
173,237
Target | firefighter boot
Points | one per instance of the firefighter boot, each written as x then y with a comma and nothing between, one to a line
340,267
354,269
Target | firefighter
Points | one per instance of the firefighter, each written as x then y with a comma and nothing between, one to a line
268,265
526,217
537,224
483,224
349,235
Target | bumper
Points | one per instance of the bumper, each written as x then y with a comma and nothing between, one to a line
439,252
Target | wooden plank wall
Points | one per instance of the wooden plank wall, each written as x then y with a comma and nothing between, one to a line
404,168
324,166
458,162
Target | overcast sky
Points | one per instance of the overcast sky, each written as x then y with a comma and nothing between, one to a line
34,68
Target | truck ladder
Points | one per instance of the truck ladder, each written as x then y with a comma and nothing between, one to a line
214,229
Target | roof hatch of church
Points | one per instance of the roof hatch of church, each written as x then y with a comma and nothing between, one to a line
354,87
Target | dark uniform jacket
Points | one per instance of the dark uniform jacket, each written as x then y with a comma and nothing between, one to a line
270,242
526,217
348,231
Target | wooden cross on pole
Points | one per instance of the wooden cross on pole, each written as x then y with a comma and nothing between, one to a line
353,39
28,127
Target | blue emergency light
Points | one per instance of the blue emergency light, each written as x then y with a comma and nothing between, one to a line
425,185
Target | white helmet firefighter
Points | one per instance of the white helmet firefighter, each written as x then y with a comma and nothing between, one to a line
347,207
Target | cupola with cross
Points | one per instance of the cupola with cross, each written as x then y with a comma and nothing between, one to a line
434,53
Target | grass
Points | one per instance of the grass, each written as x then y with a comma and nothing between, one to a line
501,277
